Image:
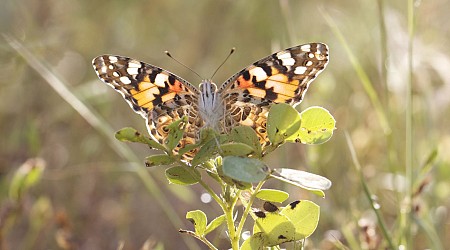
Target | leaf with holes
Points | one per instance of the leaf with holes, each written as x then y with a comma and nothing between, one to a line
176,131
158,160
317,126
132,135
198,218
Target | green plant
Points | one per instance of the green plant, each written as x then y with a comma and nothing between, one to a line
234,161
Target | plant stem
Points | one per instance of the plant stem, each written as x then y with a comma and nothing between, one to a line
234,238
200,238
368,194
248,207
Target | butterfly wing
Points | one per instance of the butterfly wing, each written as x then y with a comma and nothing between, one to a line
282,77
156,94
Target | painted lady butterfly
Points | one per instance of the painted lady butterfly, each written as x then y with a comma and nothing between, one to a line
244,99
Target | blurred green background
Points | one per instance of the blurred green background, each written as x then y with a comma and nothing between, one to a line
91,196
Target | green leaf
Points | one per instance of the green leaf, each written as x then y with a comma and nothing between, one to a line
215,223
317,126
283,121
158,160
188,148
272,195
247,135
277,229
207,134
245,169
176,132
132,135
208,150
230,181
198,218
305,217
235,149
181,176
255,242
304,179
26,176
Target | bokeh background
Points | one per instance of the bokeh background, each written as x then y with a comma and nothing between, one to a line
95,192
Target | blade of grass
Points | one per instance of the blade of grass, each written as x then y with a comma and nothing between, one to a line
374,205
364,78
104,129
383,53
406,213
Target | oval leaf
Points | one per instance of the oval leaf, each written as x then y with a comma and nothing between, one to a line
272,195
277,229
283,121
198,218
132,135
236,149
244,169
255,242
208,150
247,135
317,126
305,217
305,179
176,132
215,223
182,176
158,160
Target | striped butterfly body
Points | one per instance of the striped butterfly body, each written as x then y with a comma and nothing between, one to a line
244,99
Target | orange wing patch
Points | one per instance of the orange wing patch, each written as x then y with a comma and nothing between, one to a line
267,83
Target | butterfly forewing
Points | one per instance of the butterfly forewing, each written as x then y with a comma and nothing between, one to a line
158,95
282,77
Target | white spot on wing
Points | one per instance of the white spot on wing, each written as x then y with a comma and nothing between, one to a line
284,55
134,64
125,80
259,73
115,74
300,70
132,71
160,79
112,59
103,69
306,47
309,63
288,61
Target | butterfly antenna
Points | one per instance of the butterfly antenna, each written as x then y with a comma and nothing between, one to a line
231,52
182,64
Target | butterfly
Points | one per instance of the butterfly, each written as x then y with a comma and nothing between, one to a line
244,99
